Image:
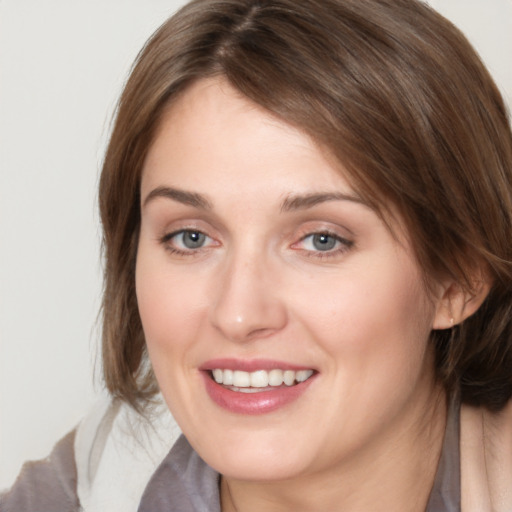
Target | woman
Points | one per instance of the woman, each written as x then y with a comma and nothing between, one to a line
307,216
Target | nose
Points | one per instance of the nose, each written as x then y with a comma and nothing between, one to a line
247,302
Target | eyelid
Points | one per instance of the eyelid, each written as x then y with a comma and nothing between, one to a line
166,239
343,245
326,232
171,234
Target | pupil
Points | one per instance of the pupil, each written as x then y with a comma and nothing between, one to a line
324,242
193,239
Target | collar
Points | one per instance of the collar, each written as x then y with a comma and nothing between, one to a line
182,483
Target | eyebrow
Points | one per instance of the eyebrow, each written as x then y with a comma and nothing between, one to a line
303,202
181,196
291,203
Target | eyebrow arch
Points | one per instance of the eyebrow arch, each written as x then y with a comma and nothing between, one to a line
303,202
181,196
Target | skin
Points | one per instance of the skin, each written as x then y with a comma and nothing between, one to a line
259,287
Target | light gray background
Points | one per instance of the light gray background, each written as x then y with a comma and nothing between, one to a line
62,64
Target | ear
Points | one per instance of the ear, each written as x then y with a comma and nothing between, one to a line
455,303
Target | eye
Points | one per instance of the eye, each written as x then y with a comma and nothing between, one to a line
190,239
320,242
323,244
186,240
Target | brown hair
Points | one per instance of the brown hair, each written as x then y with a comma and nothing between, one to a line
397,94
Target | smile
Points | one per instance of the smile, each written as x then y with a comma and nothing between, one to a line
255,387
259,380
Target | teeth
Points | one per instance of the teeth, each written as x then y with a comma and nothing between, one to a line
259,378
289,377
227,377
241,379
303,375
275,377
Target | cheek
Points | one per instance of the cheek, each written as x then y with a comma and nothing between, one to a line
374,316
373,326
169,305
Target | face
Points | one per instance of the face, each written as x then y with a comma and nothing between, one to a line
287,327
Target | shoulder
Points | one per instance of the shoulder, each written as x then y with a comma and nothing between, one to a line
486,459
46,485
104,464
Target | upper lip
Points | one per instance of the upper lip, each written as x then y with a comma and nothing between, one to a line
251,365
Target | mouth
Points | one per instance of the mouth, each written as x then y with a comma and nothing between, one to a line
260,380
255,387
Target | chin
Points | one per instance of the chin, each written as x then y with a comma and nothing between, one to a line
262,456
257,468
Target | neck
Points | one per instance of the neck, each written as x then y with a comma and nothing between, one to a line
395,472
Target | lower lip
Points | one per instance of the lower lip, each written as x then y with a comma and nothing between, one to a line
261,402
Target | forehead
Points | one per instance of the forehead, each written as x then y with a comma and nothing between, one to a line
212,132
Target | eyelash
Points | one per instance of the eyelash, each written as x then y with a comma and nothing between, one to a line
165,241
344,245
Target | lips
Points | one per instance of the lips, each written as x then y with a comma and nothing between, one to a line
255,387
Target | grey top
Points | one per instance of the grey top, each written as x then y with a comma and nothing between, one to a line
185,483
445,494
47,485
182,483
